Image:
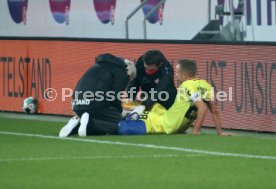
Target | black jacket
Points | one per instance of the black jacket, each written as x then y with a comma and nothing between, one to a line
104,80
162,80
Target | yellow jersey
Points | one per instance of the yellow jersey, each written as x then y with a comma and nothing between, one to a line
182,113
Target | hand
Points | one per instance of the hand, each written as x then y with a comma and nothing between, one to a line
195,132
128,104
138,109
131,69
222,133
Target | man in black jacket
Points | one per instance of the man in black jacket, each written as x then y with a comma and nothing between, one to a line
96,98
154,73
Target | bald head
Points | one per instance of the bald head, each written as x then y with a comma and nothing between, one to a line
188,67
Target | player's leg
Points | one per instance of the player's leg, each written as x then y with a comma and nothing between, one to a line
153,119
150,122
132,127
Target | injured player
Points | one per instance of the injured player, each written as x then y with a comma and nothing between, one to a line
193,99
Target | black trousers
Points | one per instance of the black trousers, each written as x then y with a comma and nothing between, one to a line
103,121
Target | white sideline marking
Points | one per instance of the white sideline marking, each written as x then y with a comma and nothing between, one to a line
96,157
153,146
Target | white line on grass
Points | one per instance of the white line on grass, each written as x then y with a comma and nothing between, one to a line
97,157
153,146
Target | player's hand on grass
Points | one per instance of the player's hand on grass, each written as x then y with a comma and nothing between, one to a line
195,132
222,133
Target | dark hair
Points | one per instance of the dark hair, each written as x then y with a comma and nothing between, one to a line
188,66
153,57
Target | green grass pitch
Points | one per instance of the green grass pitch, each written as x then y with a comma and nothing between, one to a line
32,156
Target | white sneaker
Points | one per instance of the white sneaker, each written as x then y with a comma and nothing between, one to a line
83,124
69,127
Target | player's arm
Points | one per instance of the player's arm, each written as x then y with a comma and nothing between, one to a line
217,119
201,112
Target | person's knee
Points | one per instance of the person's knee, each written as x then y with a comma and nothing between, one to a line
103,127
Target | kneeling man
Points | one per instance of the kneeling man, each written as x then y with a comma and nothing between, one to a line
96,99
